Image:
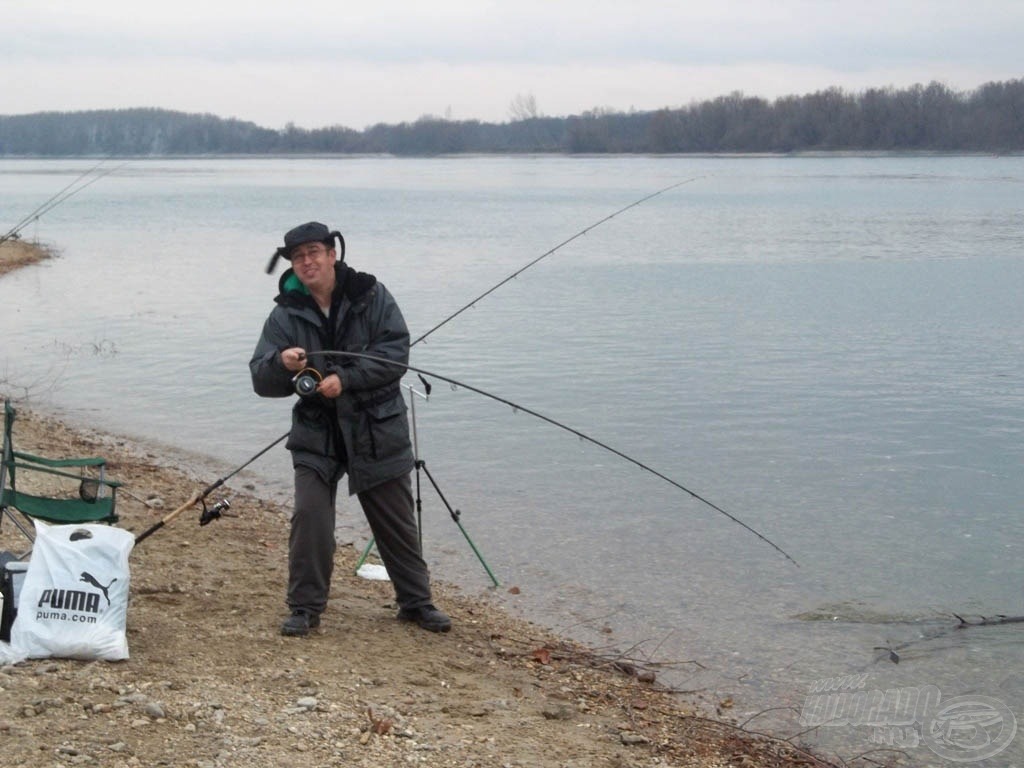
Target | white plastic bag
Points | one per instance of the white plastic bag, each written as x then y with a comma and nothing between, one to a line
74,600
10,655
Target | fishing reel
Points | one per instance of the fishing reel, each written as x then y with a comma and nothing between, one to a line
306,381
211,514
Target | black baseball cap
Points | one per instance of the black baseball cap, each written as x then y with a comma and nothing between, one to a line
310,232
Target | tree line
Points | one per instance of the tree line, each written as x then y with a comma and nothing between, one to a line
989,118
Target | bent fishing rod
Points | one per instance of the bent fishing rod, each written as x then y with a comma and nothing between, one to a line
306,385
544,255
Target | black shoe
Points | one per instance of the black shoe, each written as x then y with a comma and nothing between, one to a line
428,617
299,623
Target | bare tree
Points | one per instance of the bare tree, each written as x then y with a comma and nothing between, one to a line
523,107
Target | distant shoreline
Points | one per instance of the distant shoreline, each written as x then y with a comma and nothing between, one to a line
797,154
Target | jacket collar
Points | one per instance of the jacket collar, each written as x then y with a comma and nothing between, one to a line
349,283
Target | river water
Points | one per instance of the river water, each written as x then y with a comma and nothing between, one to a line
827,348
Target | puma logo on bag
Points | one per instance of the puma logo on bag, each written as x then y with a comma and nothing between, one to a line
88,577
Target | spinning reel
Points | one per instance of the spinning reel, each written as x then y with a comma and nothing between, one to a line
306,381
211,514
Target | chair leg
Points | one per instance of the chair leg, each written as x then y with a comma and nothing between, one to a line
20,525
5,511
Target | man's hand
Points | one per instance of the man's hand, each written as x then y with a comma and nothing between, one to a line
293,359
330,387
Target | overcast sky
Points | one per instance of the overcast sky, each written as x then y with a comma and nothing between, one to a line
340,62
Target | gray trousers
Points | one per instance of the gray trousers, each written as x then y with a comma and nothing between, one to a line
390,512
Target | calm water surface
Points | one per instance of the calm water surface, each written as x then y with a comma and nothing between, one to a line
829,349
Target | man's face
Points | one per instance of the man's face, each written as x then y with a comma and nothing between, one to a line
314,265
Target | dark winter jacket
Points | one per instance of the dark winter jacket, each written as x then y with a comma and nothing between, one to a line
365,431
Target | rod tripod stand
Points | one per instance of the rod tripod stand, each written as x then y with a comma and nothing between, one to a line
420,464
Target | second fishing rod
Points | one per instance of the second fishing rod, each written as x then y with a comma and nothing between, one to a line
73,188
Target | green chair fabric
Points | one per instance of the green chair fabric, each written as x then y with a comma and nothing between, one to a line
96,497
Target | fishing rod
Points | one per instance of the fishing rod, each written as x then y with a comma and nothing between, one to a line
64,194
211,514
54,200
24,221
562,244
305,382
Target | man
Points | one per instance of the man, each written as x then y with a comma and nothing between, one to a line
354,422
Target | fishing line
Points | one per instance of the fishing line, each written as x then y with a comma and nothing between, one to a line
516,407
582,232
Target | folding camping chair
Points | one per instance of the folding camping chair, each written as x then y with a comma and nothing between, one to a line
60,491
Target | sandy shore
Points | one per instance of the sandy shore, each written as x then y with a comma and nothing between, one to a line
211,682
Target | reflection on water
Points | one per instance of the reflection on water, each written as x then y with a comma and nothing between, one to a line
828,349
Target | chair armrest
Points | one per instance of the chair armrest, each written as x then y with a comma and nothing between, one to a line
77,462
58,473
